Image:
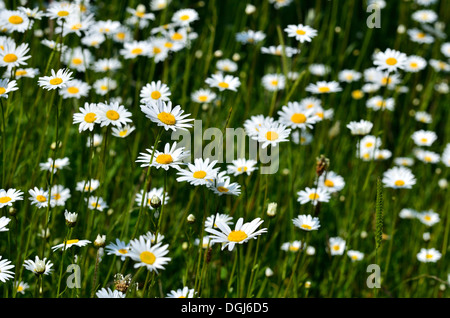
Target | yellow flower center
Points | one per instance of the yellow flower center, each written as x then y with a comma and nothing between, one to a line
104,87
5,199
184,17
298,118
57,196
120,35
156,50
147,257
73,90
21,72
123,251
399,183
420,35
89,118
293,248
77,61
223,85
41,198
72,241
300,32
313,196
112,114
427,158
274,83
354,257
424,140
10,58
177,36
324,89
167,118
237,236
203,98
272,135
199,174
20,288
15,19
391,61
63,13
306,226
428,256
76,26
329,183
123,133
136,51
369,144
336,247
168,45
140,14
357,94
155,95
222,189
2,90
427,218
240,169
413,65
164,159
56,81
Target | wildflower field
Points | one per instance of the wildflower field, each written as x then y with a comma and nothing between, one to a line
224,149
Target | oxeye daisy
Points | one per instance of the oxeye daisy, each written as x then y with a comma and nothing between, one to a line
423,117
222,184
107,28
300,32
182,293
203,96
78,59
211,221
294,115
87,117
273,82
278,50
319,69
38,197
199,173
226,65
424,16
54,165
119,248
87,185
427,156
5,273
171,157
56,80
8,197
313,195
104,85
56,46
445,49
355,255
439,66
227,82
157,5
15,21
155,91
294,246
272,134
336,245
21,287
23,72
155,192
419,36
184,17
108,293
158,49
242,166
76,24
134,49
307,222
106,65
14,56
349,76
93,40
361,128
280,3
369,143
71,218
242,233
390,60
62,11
408,213
60,195
404,161
424,137
323,87
429,218
113,114
75,89
146,254
250,37
331,181
399,178
379,103
69,243
96,203
430,255
382,154
38,266
3,223
254,124
164,115
123,132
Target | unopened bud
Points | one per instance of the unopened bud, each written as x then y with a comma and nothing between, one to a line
191,218
272,209
100,241
155,202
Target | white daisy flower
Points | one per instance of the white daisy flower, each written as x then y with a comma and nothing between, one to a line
69,243
75,89
272,134
5,273
15,21
87,185
106,65
294,115
155,91
427,156
425,16
404,161
226,65
96,203
349,76
254,124
399,178
155,192
355,255
300,32
38,197
431,255
227,82
113,114
390,60
122,132
211,221
278,50
54,165
250,37
56,80
104,85
242,233
3,223
182,293
87,117
8,197
274,82
38,266
424,137
119,248
242,166
313,195
323,87
307,222
171,157
203,96
164,115
78,59
331,181
185,17
108,293
14,56
361,128
146,254
199,173
222,184
336,245
60,195
429,218
415,64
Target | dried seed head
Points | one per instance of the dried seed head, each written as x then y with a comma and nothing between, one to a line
322,165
